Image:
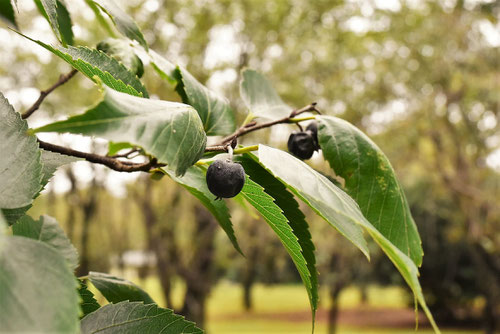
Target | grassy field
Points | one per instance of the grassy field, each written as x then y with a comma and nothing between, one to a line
285,308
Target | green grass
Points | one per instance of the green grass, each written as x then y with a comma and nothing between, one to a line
225,313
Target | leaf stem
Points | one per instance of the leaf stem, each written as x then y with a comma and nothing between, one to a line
44,93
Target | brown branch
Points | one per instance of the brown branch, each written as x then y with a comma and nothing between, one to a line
243,130
44,93
128,166
115,164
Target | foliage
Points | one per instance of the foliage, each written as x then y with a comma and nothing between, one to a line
172,138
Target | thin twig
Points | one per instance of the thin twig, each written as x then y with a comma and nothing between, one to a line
43,94
128,166
246,129
115,164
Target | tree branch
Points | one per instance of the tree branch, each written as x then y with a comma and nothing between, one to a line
252,126
115,164
128,166
44,93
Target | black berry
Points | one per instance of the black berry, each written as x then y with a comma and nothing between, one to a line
225,178
301,144
313,129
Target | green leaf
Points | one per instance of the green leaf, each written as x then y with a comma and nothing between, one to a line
38,291
93,63
122,21
20,167
102,20
215,111
122,51
88,304
7,12
116,289
326,199
47,230
296,219
172,132
127,317
195,182
371,181
164,67
114,148
13,215
57,15
273,215
336,207
51,161
260,97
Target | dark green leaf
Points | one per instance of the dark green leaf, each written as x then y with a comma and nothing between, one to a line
296,219
116,289
371,181
122,21
57,15
194,181
337,208
47,230
88,304
13,215
132,318
38,291
215,111
93,63
274,216
20,167
260,97
7,12
172,132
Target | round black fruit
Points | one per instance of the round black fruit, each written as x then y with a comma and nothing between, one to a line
313,129
301,144
225,178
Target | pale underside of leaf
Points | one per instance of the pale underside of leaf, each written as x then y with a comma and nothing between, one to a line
326,199
20,166
38,291
172,132
371,181
260,97
47,230
331,203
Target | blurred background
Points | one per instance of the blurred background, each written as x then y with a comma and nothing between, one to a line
422,78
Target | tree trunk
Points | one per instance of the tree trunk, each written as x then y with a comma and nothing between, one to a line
156,240
333,311
89,209
198,274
